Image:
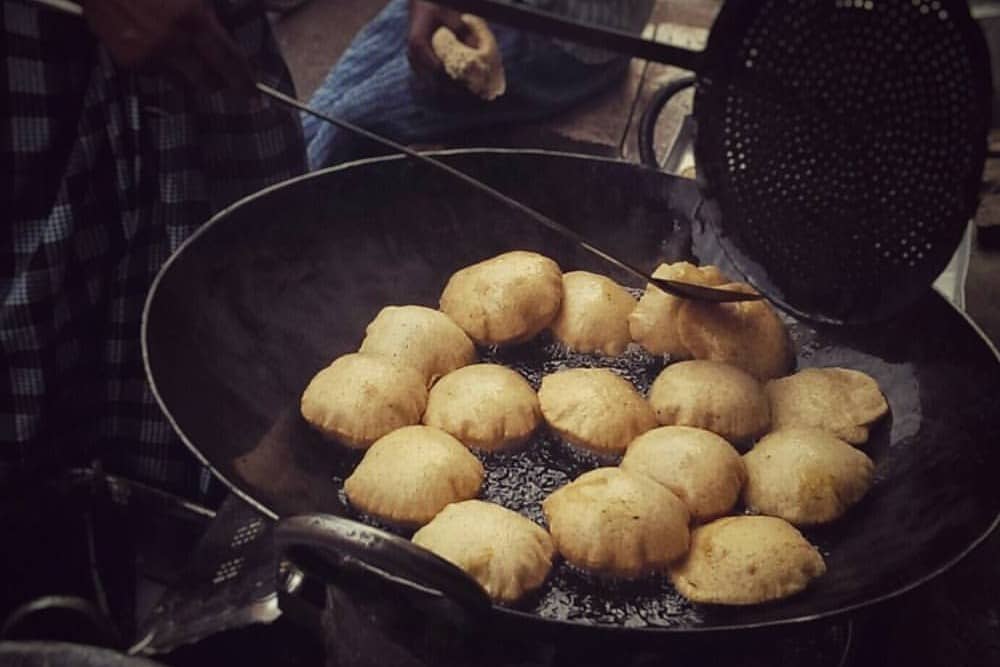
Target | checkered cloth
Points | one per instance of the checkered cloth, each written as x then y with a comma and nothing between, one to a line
105,174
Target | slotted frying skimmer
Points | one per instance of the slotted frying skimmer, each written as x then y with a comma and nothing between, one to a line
840,143
844,142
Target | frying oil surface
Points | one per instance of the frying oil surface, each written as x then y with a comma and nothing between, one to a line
521,479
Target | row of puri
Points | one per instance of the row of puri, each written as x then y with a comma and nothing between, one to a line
415,399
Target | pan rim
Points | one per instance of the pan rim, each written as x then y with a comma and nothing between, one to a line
560,625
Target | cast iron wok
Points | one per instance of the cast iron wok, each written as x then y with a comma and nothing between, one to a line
278,285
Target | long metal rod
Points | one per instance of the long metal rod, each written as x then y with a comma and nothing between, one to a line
681,289
554,25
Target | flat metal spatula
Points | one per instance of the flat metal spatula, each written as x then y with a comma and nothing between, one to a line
674,287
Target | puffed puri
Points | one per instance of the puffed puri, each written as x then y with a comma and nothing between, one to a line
594,314
421,337
805,476
411,474
700,467
508,554
488,407
747,334
506,299
743,560
712,395
360,397
594,409
616,523
653,323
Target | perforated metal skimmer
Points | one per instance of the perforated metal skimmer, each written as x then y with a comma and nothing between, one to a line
842,142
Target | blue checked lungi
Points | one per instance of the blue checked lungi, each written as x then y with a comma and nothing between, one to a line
373,85
105,173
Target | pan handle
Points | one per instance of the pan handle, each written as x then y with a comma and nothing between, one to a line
552,24
647,124
332,544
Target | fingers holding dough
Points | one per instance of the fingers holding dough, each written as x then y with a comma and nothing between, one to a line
479,66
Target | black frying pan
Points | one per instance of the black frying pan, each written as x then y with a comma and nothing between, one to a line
274,288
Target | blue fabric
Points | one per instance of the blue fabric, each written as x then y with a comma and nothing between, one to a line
373,86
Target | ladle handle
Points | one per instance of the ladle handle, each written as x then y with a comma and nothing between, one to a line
335,544
647,123
552,24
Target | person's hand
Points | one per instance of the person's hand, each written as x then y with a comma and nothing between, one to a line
179,36
425,18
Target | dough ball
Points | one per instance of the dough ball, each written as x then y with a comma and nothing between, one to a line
711,395
506,299
360,397
506,553
594,314
805,476
424,338
411,474
478,64
740,560
701,468
839,400
748,334
617,523
595,409
653,323
486,406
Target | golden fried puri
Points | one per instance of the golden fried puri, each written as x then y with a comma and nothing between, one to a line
421,337
747,334
805,476
411,474
361,397
595,409
487,406
701,468
711,395
508,554
839,400
617,523
506,299
594,314
653,322
741,560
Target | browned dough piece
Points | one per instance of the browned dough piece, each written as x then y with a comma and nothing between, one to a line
617,523
743,560
411,474
360,397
